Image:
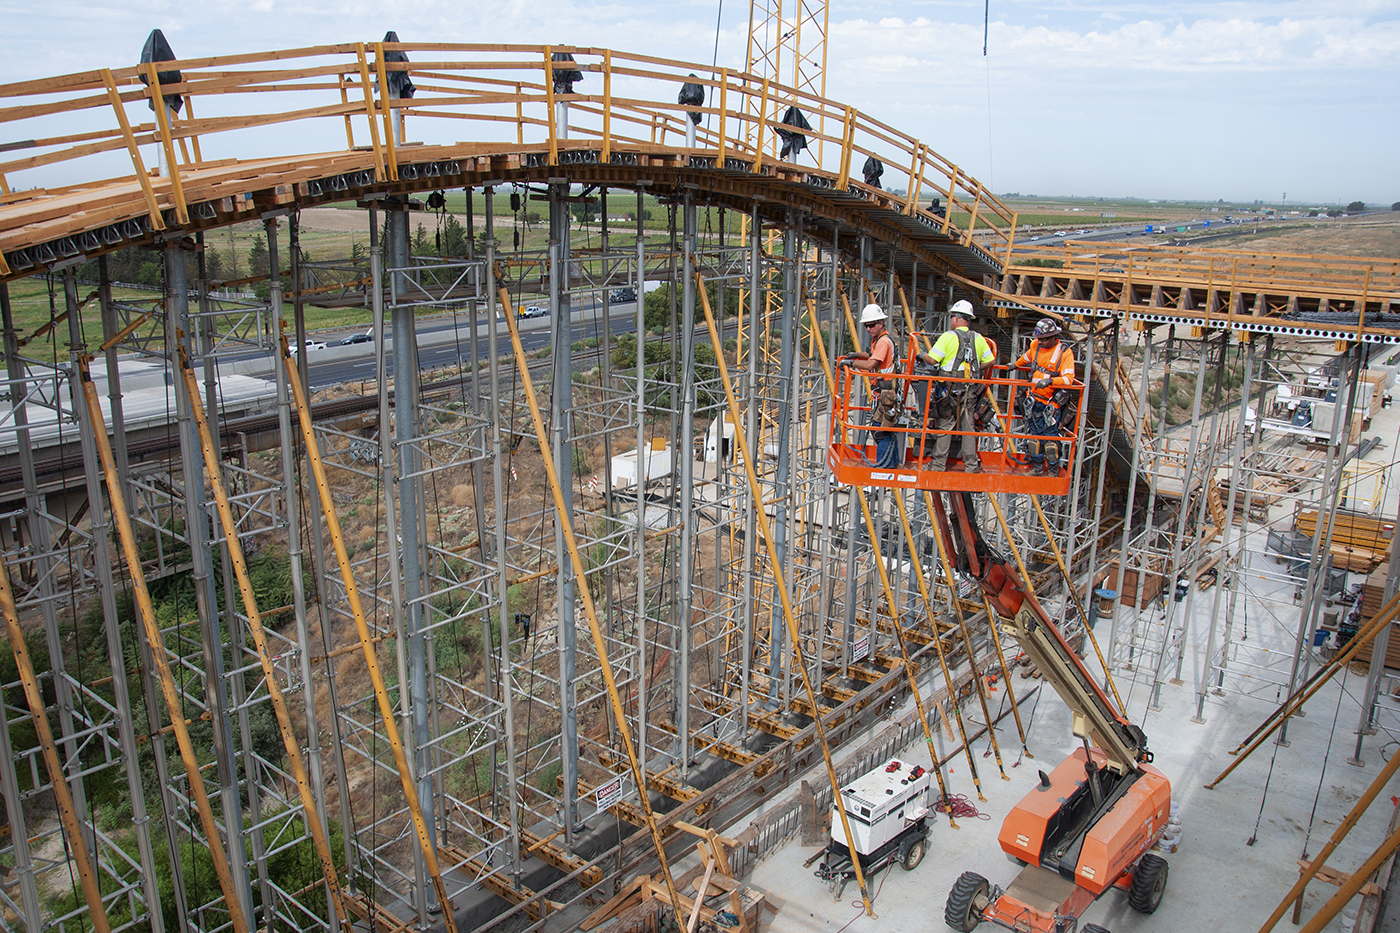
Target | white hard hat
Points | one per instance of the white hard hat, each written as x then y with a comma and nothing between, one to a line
872,313
963,309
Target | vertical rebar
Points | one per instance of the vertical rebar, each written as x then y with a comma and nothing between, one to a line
1132,490
782,474
1110,392
1207,489
103,563
685,453
752,497
643,460
1236,471
1242,554
198,532
292,486
1172,576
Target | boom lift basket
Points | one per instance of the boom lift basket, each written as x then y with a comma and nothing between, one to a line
1001,447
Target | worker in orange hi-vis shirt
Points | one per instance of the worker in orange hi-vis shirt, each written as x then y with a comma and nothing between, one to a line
1052,374
886,409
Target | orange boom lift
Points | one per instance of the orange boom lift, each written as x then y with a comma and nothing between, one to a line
1088,825
851,454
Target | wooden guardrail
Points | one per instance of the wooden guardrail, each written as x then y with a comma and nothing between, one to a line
1223,270
69,131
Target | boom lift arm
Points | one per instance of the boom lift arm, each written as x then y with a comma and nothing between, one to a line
1087,826
1023,618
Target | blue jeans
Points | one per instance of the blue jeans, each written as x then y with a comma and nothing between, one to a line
886,449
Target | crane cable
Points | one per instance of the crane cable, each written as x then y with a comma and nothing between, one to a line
987,63
714,60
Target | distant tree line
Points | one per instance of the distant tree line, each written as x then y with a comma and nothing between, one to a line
140,265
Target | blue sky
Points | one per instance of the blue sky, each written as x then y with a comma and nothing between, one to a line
1169,99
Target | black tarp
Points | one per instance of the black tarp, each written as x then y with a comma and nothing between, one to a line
157,49
400,87
793,141
872,171
565,78
692,95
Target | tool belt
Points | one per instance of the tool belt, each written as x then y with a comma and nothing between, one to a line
888,411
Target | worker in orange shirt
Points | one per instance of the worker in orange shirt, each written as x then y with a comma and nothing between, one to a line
879,360
1046,402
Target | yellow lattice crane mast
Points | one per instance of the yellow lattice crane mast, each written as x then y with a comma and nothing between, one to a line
787,45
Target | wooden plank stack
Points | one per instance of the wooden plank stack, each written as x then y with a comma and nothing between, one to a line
1359,541
1266,492
1151,587
1372,599
1378,378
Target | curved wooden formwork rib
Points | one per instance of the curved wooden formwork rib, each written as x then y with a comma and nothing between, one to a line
273,113
1290,294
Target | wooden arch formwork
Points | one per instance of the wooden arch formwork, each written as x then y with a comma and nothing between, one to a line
474,800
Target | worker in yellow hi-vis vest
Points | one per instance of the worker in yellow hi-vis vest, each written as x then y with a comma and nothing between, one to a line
962,354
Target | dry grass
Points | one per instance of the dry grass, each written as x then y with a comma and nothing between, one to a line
1375,235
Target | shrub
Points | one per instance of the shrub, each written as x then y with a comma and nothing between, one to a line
547,778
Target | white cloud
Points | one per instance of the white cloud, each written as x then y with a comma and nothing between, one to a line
1143,45
1165,99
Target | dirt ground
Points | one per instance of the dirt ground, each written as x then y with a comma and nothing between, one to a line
333,220
1372,235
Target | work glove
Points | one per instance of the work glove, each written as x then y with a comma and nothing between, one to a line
1043,382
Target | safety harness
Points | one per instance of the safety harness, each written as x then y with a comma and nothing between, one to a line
1054,371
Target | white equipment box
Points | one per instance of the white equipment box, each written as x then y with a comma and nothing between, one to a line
883,804
657,462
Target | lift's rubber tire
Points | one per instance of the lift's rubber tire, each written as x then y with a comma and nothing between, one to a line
961,912
1149,881
1092,928
912,855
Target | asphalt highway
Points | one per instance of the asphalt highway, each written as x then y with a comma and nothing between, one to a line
447,340
1125,231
